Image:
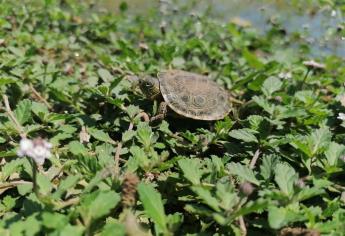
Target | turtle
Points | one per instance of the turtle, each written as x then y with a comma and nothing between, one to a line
187,94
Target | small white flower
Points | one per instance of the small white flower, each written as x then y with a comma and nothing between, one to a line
333,13
284,75
37,149
25,145
341,116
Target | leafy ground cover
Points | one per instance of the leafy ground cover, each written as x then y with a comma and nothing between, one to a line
274,166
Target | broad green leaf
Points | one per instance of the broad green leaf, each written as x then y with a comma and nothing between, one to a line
98,204
307,193
244,135
243,172
271,85
319,139
252,59
113,229
333,153
100,135
277,217
132,111
259,205
23,111
191,169
145,135
153,205
4,81
280,216
10,167
75,230
268,165
9,202
77,148
264,104
105,75
285,177
140,156
206,197
54,220
40,110
29,226
128,135
44,184
66,184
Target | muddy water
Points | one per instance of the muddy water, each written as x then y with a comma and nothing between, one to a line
319,26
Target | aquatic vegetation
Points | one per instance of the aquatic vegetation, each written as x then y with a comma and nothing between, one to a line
79,157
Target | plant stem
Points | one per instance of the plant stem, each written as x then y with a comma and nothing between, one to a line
305,78
13,118
254,159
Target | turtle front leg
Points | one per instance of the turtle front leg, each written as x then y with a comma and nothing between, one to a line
162,112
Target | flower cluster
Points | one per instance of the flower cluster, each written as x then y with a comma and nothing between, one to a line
37,149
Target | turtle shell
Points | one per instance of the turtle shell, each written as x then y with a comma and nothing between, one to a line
194,96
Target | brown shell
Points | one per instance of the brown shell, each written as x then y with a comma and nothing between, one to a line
194,96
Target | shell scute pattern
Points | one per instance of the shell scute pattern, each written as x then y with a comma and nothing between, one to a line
193,95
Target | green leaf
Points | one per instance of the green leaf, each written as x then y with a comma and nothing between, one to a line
68,183
4,81
252,59
100,135
285,177
128,135
243,172
191,169
113,229
40,110
264,104
333,153
319,139
268,165
271,85
77,148
307,193
54,220
44,184
10,168
98,204
276,217
145,135
140,156
244,135
72,230
153,205
105,75
9,202
23,111
206,196
280,216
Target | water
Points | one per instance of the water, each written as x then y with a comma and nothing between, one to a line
320,27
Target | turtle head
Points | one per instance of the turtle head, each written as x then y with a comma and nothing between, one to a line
149,86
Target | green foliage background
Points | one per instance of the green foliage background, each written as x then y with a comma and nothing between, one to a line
65,67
